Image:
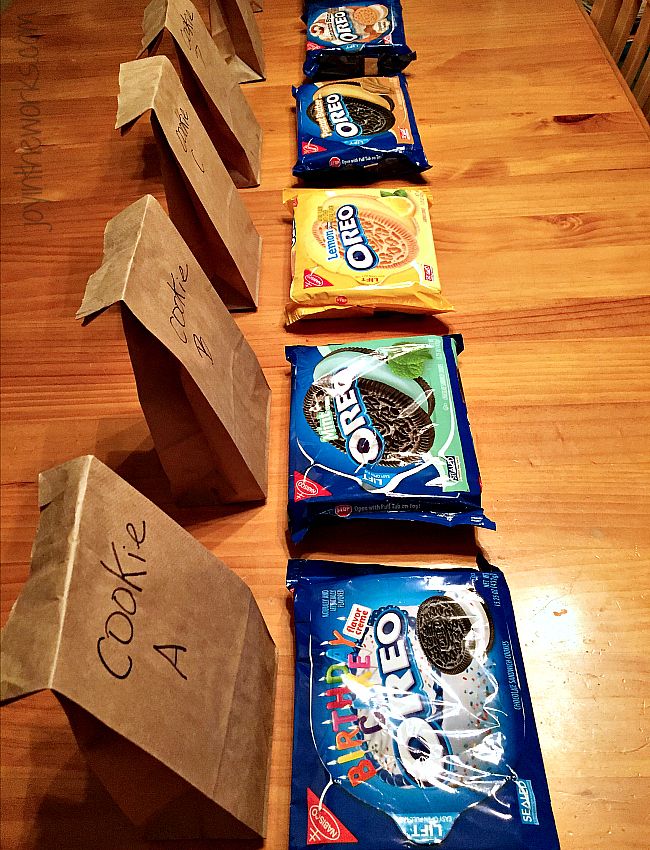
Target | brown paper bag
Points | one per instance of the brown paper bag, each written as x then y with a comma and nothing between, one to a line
213,92
202,199
201,388
157,652
235,32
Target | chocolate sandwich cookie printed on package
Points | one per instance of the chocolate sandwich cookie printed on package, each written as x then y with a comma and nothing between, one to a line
355,251
413,724
356,124
355,41
379,430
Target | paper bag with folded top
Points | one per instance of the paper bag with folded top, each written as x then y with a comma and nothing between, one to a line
201,388
213,92
236,34
157,652
202,199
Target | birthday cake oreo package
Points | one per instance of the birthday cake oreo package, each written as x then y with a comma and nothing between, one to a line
365,125
379,430
413,724
355,41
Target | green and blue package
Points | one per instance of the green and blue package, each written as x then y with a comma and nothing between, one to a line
379,430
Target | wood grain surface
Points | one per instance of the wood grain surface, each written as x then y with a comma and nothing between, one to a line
541,217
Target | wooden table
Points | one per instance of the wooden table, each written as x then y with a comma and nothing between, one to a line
541,218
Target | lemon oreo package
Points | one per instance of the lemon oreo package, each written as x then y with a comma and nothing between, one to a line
379,430
413,723
361,250
355,41
366,123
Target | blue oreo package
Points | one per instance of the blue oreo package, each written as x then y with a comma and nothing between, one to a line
413,724
379,430
355,124
355,41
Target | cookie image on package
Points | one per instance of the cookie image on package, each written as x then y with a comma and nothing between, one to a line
406,429
469,736
369,15
394,244
345,24
443,627
371,118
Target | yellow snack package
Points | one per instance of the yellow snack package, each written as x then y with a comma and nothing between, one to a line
355,251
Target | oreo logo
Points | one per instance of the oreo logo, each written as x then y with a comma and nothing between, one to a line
419,749
343,27
363,442
339,117
357,252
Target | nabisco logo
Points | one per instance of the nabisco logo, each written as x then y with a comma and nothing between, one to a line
306,488
311,279
322,820
323,827
311,147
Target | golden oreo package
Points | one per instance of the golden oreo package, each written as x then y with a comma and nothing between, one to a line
355,251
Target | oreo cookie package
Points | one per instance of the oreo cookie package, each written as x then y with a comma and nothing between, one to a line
413,724
355,41
355,251
379,430
366,123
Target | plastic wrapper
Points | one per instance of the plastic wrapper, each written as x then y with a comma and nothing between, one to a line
366,126
379,430
355,41
413,724
355,251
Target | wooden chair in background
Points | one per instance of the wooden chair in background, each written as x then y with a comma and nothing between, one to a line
614,20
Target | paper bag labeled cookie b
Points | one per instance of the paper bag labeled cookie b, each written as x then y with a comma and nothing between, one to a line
201,388
357,251
236,34
213,92
202,199
157,652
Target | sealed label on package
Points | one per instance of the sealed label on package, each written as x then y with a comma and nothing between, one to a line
365,38
413,723
356,124
356,251
379,430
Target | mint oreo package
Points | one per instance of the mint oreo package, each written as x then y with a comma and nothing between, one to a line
355,41
413,725
379,430
367,123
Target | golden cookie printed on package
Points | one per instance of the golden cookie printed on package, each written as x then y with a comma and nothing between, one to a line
355,251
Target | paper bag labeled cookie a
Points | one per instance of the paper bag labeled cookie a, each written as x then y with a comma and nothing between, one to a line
236,34
201,388
202,200
157,652
213,92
